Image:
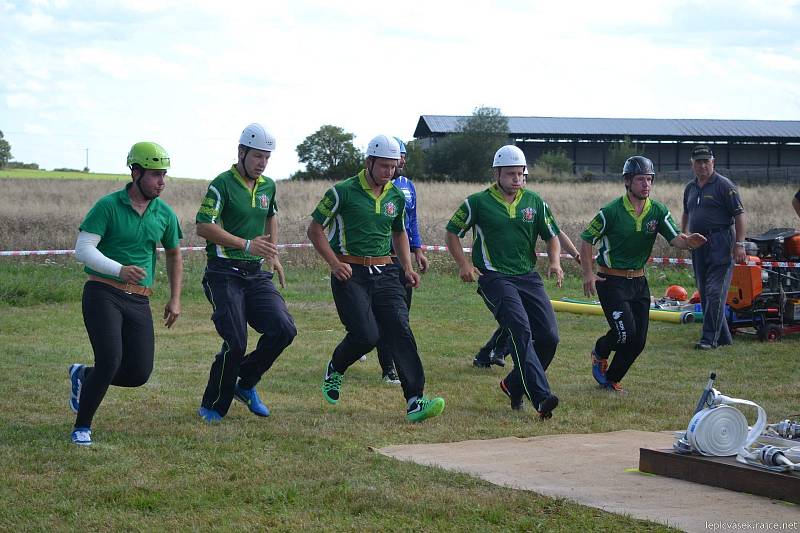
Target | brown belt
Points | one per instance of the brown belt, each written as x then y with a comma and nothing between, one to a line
364,261
629,274
126,287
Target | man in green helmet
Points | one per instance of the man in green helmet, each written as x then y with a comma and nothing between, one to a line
117,244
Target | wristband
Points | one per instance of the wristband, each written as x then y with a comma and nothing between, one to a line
247,246
740,243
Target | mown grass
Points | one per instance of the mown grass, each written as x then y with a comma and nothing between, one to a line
155,466
25,173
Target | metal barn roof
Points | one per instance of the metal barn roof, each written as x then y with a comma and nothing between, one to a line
617,128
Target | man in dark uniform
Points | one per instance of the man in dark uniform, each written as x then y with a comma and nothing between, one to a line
365,216
626,229
406,186
238,220
117,243
507,220
712,207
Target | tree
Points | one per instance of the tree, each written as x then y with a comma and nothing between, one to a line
467,155
555,162
416,161
329,154
619,152
5,151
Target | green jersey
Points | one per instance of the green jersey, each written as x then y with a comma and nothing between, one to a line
626,240
240,211
504,234
361,223
128,237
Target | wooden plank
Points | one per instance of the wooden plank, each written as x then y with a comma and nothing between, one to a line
724,472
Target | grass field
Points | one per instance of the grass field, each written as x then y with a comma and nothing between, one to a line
24,173
155,466
310,465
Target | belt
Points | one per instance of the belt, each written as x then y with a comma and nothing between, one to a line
714,230
364,261
125,287
251,267
628,274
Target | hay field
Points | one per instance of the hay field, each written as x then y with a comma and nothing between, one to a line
46,213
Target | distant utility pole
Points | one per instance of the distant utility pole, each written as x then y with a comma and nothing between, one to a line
87,160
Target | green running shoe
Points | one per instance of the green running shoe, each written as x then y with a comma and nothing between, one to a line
424,408
331,385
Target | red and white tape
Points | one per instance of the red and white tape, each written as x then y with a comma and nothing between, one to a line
427,247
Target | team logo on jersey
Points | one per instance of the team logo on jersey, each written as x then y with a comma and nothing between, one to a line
264,200
389,209
528,213
652,226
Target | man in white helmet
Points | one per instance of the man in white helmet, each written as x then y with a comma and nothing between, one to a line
507,220
364,217
238,220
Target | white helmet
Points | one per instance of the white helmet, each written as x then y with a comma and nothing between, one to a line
509,156
384,146
256,136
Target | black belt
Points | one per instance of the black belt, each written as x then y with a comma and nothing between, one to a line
251,267
714,230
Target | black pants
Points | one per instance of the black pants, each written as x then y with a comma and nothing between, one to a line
120,328
521,307
497,343
242,294
385,355
713,271
626,304
372,307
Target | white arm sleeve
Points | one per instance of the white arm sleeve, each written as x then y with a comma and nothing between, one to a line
87,253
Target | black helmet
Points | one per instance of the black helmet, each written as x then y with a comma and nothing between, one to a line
638,165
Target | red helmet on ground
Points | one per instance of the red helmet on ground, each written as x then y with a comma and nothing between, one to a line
695,298
676,292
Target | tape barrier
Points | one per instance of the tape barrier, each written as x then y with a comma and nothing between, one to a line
427,247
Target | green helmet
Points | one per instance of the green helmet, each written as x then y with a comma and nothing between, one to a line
148,155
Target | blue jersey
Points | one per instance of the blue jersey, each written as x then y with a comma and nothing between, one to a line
406,186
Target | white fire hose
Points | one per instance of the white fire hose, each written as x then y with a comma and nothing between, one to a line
720,430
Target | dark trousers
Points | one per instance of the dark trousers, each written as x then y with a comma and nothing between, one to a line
242,295
521,307
372,307
385,354
626,304
120,328
713,270
497,343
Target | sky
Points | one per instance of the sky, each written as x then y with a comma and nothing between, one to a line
191,75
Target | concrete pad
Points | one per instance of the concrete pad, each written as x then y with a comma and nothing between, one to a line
601,470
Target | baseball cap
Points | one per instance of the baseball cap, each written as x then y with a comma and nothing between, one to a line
701,151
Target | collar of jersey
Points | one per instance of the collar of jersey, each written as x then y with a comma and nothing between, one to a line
362,179
711,180
632,210
126,200
511,207
238,177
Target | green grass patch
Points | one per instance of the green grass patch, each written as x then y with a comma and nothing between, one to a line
155,466
24,173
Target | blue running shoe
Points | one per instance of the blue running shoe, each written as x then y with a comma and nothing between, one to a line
82,436
209,415
76,380
250,398
599,367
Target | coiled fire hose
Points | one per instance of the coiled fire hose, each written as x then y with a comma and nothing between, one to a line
718,429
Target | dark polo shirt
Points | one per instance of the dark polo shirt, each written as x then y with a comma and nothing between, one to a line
712,206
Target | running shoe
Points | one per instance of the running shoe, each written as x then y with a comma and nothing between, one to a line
599,368
545,409
76,381
331,385
391,377
516,403
82,436
424,408
250,398
209,415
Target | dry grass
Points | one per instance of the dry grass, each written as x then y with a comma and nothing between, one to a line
45,214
